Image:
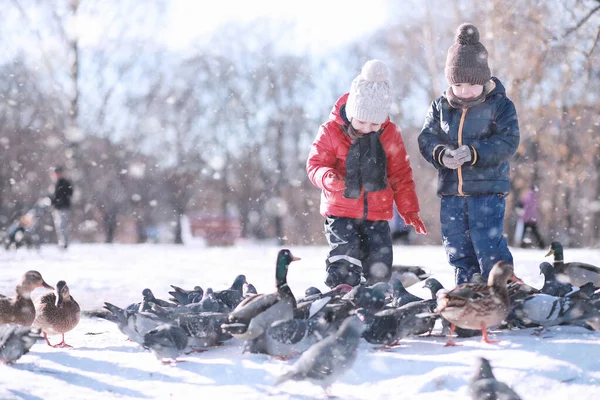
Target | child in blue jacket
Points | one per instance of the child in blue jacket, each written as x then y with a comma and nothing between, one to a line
469,135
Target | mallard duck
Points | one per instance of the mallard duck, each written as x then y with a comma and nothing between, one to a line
21,309
256,313
56,313
476,306
576,273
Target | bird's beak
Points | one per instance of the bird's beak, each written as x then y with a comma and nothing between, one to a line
44,284
294,258
549,252
515,279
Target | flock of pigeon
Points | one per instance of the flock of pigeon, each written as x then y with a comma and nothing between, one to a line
321,330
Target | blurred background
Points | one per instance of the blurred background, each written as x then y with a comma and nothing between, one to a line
181,120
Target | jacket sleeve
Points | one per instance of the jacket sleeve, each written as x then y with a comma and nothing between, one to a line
432,140
321,158
503,142
400,175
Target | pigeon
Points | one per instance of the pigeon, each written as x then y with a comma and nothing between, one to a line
484,386
203,328
409,275
370,297
552,286
311,291
133,324
285,339
183,297
167,342
234,295
545,310
313,304
400,296
248,290
15,341
150,298
210,303
389,326
326,361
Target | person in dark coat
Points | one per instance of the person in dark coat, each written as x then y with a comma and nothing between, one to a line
359,162
61,201
469,135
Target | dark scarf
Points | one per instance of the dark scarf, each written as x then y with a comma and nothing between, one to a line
457,102
366,162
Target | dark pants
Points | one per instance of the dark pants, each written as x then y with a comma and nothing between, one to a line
472,234
532,228
358,247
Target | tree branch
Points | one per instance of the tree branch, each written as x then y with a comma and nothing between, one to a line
581,22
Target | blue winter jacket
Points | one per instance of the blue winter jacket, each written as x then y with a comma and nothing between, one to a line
490,129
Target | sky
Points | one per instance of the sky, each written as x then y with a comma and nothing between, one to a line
563,363
319,24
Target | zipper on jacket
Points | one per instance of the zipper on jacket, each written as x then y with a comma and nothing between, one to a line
366,206
459,170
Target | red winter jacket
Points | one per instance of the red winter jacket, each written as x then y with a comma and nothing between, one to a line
328,152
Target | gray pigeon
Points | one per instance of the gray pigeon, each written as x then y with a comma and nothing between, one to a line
326,361
133,324
484,386
552,286
166,341
401,296
15,341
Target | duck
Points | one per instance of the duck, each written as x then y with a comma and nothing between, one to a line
476,306
256,313
56,313
15,341
576,273
20,309
409,275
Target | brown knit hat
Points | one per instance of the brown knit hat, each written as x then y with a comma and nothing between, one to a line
467,60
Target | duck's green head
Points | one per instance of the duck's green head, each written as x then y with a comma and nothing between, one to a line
284,259
556,249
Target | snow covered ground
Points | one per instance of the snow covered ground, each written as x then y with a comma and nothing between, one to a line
564,363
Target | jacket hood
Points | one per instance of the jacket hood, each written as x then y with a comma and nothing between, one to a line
339,116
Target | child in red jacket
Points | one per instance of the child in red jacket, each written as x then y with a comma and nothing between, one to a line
359,162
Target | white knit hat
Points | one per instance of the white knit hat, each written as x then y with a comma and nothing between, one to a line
370,96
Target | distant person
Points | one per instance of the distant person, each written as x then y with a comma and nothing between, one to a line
469,135
527,208
61,201
359,162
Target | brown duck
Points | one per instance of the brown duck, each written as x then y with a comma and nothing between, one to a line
477,306
57,313
21,309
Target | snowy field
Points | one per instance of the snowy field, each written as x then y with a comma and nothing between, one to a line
561,364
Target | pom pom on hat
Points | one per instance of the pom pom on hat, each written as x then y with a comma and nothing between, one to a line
467,34
370,97
467,60
374,71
